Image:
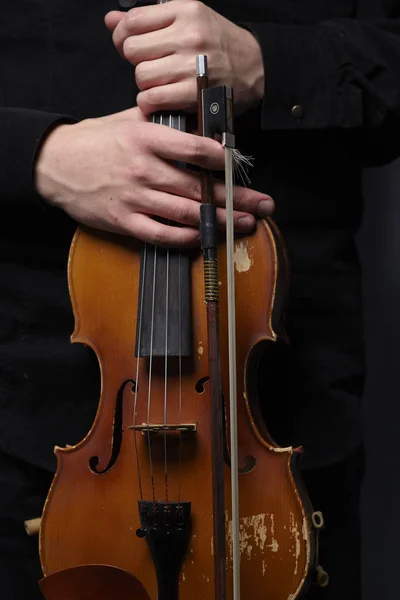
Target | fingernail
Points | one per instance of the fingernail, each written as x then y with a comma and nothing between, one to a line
246,222
265,207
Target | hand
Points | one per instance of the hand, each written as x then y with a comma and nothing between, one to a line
113,173
162,42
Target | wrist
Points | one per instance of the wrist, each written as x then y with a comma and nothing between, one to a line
47,158
254,71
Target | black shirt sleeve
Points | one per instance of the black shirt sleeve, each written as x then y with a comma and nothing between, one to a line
341,73
21,134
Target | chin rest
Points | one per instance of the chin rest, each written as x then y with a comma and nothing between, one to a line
92,582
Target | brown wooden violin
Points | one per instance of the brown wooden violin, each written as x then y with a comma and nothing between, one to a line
178,492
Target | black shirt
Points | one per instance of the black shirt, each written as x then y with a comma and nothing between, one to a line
338,63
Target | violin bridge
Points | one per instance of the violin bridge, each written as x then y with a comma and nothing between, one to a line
157,429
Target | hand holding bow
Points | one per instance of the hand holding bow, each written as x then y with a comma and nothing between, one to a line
162,42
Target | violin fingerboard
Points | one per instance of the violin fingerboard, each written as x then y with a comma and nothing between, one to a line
164,307
175,120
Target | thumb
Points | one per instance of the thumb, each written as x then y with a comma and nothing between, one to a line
112,19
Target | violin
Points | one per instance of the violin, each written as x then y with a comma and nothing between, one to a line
176,493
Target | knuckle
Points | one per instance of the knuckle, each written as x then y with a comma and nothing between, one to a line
150,100
140,76
158,235
195,38
126,200
194,9
195,149
182,214
196,190
113,216
128,48
195,34
140,171
154,202
153,96
241,201
132,17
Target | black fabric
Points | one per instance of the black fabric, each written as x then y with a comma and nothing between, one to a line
340,70
57,62
18,153
54,65
336,490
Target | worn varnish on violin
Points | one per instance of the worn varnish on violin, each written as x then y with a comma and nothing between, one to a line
132,505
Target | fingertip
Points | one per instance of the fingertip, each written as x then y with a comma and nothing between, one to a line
143,105
112,19
245,224
266,207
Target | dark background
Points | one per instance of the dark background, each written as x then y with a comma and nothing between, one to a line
379,244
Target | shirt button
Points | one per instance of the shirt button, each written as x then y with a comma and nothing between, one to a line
298,111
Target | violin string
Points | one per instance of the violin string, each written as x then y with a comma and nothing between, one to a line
180,365
166,367
150,376
165,384
143,279
180,379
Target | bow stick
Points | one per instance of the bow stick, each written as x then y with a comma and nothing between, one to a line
215,117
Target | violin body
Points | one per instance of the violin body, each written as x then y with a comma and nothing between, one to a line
136,492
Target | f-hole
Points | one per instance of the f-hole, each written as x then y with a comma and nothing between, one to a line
200,385
117,432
